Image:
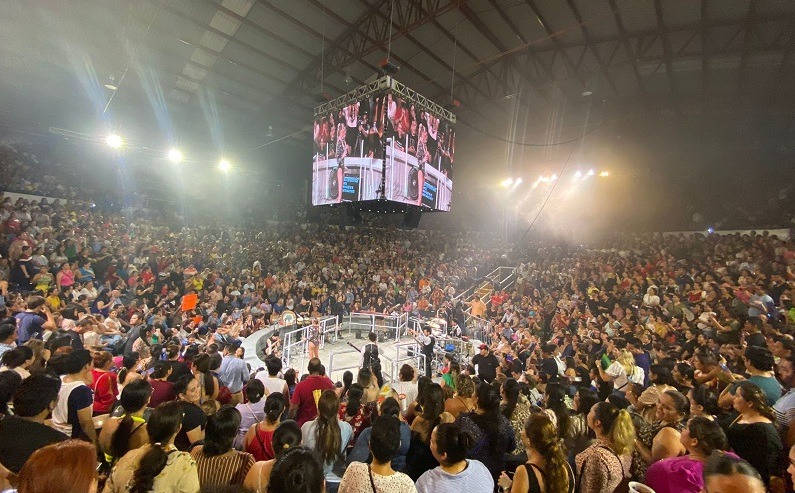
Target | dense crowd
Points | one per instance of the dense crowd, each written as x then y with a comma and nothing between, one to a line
667,360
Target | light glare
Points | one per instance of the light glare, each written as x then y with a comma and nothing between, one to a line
224,165
604,174
591,172
506,182
115,141
175,155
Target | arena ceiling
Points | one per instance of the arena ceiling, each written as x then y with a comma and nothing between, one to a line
250,71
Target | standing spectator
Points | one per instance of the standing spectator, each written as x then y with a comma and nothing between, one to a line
158,466
286,436
270,377
72,415
406,387
259,436
233,373
491,430
251,412
455,473
606,463
304,403
753,435
104,382
217,462
32,404
328,436
379,475
31,324
486,364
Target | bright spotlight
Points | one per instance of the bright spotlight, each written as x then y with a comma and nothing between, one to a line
553,177
114,141
518,181
604,174
224,165
506,182
578,174
175,155
591,172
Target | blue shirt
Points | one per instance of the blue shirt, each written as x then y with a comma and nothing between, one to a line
29,327
475,478
233,373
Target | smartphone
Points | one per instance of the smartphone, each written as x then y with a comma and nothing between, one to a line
724,367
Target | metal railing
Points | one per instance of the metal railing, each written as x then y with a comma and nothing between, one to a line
294,346
408,351
377,322
334,369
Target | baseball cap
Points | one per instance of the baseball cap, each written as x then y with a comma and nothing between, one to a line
483,346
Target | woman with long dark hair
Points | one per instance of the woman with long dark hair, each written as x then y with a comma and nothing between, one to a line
208,384
491,431
752,435
218,463
546,469
286,436
158,466
298,471
259,437
121,434
354,412
516,408
419,457
192,430
328,436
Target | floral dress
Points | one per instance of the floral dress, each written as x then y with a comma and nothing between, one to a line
520,414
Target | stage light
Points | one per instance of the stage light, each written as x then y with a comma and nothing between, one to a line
591,172
710,230
518,181
115,141
506,182
578,174
224,165
553,177
604,174
175,155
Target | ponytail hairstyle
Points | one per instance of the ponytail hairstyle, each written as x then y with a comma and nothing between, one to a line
556,402
617,427
707,398
390,407
222,427
127,364
274,407
347,380
134,397
355,394
328,436
542,435
286,436
709,434
757,398
255,389
164,424
511,389
454,442
202,365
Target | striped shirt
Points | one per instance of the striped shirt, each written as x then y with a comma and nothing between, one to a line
221,470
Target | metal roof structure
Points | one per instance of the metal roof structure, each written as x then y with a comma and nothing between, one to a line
256,68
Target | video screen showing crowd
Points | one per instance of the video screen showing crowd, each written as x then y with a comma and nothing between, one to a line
383,147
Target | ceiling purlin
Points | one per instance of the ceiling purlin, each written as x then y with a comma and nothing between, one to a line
624,38
666,47
555,41
236,41
705,47
355,43
785,58
750,23
591,46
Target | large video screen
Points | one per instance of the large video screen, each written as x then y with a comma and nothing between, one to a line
383,147
348,161
419,155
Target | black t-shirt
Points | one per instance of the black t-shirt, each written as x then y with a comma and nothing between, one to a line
19,438
757,339
487,366
549,370
194,417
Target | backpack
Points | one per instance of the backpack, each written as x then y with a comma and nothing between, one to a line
371,359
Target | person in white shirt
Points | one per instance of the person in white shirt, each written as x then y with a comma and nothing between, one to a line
270,377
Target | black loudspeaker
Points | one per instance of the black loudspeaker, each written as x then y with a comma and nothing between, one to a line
413,180
333,184
411,218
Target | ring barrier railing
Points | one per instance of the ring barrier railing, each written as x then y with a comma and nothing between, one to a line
388,367
381,323
408,352
294,346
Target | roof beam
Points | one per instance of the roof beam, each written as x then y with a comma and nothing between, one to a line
749,29
624,39
590,45
553,36
666,46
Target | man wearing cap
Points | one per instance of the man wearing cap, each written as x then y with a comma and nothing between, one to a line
486,363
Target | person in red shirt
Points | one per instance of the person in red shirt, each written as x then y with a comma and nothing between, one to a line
303,404
104,385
